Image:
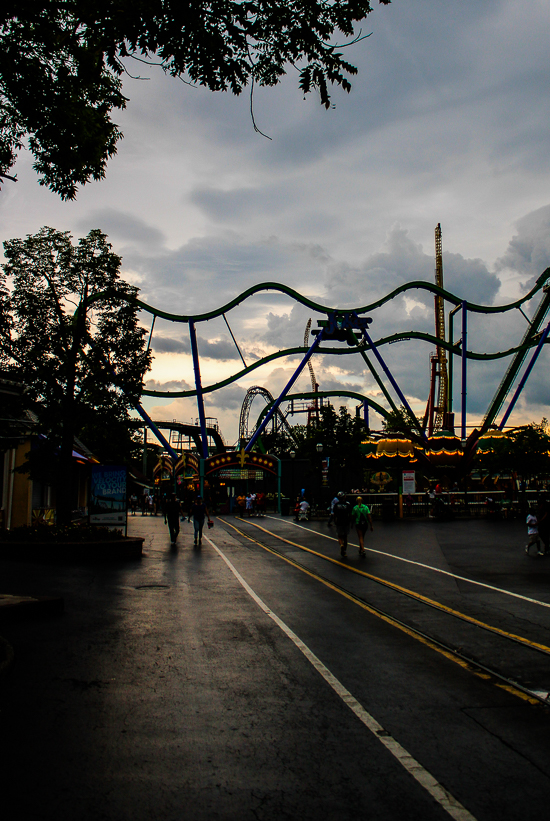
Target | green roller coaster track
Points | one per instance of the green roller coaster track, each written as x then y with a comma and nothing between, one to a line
324,309
530,339
339,352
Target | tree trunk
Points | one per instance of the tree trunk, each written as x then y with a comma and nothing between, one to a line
65,474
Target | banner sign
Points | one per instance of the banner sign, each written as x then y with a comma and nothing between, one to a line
241,460
235,473
409,482
108,495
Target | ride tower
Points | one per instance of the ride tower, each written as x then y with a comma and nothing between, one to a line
437,416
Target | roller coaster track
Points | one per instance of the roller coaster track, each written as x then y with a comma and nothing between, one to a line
324,309
520,351
530,338
399,337
256,390
326,395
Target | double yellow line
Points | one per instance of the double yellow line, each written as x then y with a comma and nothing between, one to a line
418,596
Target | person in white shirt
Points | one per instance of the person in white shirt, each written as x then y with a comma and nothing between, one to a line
331,517
533,534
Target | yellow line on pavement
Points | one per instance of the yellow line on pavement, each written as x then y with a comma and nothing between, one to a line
426,780
443,607
388,619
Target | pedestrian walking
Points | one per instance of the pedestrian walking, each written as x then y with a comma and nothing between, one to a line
260,503
532,534
543,524
143,502
199,511
342,516
163,503
173,512
362,518
331,516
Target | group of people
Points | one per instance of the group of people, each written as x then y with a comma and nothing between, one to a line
147,503
253,504
174,512
344,515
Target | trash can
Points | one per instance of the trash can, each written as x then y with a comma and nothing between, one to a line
388,510
285,507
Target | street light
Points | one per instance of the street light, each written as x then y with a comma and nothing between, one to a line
319,449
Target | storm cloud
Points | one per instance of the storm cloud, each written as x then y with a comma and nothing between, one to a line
447,122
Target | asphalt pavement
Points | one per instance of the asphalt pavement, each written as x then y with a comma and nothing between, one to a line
220,682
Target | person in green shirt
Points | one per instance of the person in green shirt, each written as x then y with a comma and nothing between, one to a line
361,516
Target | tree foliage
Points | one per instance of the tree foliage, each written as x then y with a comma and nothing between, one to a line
63,346
530,450
401,421
340,433
61,64
524,451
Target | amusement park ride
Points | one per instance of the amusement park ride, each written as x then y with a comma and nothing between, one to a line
351,327
438,416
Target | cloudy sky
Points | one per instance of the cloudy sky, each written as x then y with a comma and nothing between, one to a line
448,121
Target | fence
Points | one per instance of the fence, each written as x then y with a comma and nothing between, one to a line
459,504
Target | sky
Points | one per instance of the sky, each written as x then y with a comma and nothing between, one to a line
447,122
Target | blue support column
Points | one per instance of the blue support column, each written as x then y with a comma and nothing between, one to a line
146,418
156,431
198,386
528,370
451,358
279,487
388,373
366,414
297,372
464,367
201,477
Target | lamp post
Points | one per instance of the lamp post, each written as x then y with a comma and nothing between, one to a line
324,469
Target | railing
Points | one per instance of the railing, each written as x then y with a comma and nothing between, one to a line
473,504
459,504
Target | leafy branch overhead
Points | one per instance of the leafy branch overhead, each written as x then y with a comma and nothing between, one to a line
62,61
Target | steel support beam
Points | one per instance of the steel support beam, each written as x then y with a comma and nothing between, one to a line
464,367
525,376
164,442
389,374
198,387
286,389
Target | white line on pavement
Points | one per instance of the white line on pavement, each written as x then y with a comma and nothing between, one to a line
444,798
427,566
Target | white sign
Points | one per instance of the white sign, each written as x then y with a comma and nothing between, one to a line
409,482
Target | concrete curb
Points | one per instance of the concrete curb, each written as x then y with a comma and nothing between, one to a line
16,608
116,550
